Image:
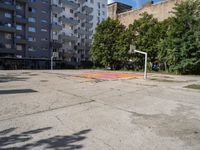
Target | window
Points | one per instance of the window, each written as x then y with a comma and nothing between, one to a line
31,29
44,21
44,11
8,36
44,1
99,14
6,2
8,46
55,33
8,25
44,30
31,49
19,27
71,11
18,36
32,1
98,20
33,10
19,7
19,56
31,39
55,15
92,1
99,5
19,47
44,39
44,49
18,16
31,19
103,5
8,15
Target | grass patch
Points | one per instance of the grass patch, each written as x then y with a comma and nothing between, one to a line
25,72
193,86
165,80
32,74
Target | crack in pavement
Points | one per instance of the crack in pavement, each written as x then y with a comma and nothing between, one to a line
48,110
59,120
104,142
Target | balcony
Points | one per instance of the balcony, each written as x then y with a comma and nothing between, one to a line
80,31
56,9
87,47
69,53
67,38
70,4
88,41
56,27
83,32
69,21
7,28
7,50
21,20
81,47
88,25
87,9
6,6
21,41
22,1
82,1
56,44
89,18
80,15
69,48
88,33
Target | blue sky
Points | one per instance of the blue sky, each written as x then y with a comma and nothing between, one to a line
134,3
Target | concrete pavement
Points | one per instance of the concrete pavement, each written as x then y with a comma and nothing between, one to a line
63,111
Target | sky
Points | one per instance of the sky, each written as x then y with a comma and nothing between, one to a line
134,3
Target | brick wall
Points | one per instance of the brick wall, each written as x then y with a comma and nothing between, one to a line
161,10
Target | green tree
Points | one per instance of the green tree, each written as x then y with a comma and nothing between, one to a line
181,47
108,43
145,34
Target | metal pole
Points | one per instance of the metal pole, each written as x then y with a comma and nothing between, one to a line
51,62
145,68
145,64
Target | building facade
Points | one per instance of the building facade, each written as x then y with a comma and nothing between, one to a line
73,23
30,30
24,32
160,10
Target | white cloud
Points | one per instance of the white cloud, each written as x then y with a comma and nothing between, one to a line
110,1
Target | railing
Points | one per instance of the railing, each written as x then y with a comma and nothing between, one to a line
69,21
87,9
70,4
56,8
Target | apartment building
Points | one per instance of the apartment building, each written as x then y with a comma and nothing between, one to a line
24,32
30,30
73,23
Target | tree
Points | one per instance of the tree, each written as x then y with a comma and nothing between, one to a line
181,47
108,43
146,35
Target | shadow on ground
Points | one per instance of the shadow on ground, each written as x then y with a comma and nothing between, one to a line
17,91
8,78
10,141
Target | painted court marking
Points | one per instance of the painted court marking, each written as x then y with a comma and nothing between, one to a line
110,75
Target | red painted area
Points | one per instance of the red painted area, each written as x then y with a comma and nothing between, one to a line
110,75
